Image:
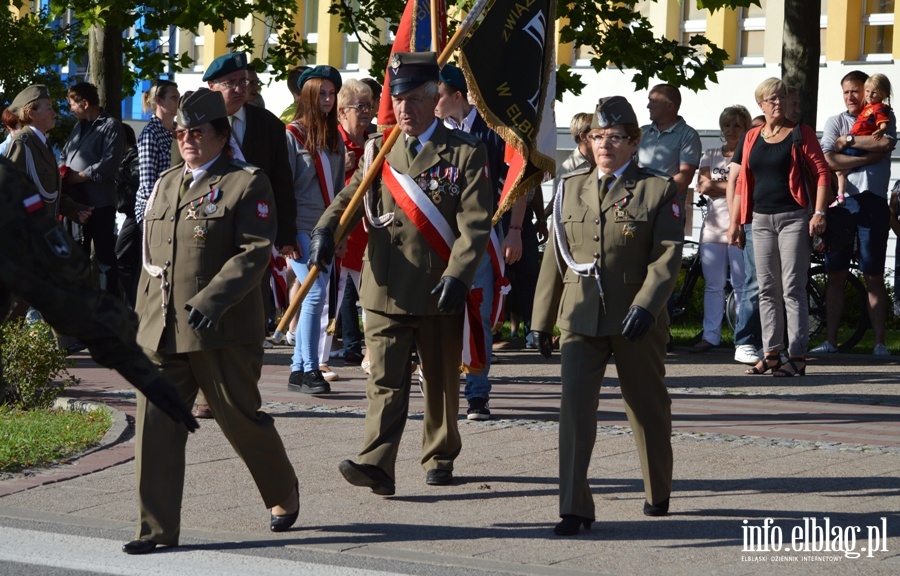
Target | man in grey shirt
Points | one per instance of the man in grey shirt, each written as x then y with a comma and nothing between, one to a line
865,209
91,158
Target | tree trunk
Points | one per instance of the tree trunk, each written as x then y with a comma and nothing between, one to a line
800,54
105,66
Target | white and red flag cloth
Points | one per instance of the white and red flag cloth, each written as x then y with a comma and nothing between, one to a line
413,35
510,66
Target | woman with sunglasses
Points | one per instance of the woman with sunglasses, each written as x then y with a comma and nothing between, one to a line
209,228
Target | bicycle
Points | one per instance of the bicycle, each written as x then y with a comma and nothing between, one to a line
854,320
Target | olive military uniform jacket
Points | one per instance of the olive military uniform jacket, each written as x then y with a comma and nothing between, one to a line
400,266
28,143
635,234
213,246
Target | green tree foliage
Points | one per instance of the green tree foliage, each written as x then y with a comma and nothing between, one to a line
616,33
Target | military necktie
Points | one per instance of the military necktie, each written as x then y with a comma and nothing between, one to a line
606,181
185,184
411,148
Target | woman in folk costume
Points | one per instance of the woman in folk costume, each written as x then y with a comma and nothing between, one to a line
316,155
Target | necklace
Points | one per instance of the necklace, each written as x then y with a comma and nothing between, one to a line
772,135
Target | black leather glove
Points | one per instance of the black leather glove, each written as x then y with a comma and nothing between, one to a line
637,323
321,248
196,318
162,395
544,343
453,295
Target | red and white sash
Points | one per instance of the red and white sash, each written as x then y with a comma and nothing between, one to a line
323,166
429,221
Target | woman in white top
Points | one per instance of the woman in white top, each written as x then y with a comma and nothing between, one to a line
716,254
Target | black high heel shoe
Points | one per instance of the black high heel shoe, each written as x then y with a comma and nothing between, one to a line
797,368
284,522
571,524
765,365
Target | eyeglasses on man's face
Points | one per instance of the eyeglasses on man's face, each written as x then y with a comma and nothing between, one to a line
194,133
232,84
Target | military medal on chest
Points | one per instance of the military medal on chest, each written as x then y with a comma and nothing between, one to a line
213,197
192,209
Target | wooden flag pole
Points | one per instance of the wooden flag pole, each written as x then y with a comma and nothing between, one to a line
341,231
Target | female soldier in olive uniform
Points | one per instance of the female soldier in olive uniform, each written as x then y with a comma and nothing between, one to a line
208,233
612,263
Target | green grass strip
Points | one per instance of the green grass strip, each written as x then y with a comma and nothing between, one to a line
36,438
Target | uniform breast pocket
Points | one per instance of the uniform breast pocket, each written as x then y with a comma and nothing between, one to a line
155,220
573,221
630,226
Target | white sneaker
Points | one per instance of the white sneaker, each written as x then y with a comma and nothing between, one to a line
881,350
267,344
825,347
746,354
290,338
328,374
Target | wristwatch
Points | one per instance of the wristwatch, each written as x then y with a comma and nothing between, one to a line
849,138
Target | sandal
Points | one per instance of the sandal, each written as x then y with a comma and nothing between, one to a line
794,371
764,365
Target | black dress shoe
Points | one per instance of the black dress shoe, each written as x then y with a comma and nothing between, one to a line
660,509
284,522
367,475
439,477
571,524
139,547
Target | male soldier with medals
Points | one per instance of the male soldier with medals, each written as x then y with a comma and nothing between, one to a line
612,263
429,224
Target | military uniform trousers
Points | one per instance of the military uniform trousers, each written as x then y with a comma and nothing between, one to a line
228,377
647,404
389,338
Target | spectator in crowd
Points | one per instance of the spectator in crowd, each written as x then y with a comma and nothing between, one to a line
31,152
792,108
717,254
292,81
12,126
868,178
454,109
354,117
316,159
128,241
155,142
668,144
770,187
415,284
873,120
206,335
376,89
604,281
90,160
254,98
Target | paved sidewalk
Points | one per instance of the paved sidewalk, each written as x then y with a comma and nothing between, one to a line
746,449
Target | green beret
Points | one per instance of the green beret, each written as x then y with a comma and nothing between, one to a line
613,110
225,65
27,96
453,77
409,70
199,107
325,72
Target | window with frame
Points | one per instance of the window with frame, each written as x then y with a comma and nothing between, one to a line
877,39
311,24
751,34
693,21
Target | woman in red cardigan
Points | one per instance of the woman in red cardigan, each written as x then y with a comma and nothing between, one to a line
770,191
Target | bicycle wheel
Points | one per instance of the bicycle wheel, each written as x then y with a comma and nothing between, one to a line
691,271
855,318
731,310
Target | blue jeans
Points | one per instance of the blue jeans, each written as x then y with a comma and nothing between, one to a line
479,386
306,346
748,329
